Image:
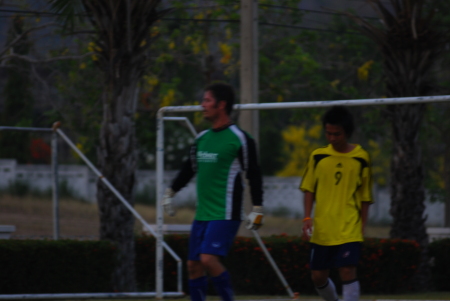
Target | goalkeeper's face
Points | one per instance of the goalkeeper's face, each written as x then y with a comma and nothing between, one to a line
336,136
212,109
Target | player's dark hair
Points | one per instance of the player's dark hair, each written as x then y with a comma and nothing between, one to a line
339,115
225,92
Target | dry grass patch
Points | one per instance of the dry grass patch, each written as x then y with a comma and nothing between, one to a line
33,217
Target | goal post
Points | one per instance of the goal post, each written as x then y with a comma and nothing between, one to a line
250,106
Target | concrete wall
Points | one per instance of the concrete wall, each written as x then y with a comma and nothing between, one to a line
281,195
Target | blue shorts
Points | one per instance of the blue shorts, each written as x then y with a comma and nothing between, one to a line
212,237
327,257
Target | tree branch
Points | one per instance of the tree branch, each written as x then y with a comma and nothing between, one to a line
31,60
21,36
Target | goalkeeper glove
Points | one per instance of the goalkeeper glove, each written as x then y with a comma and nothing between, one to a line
255,218
167,202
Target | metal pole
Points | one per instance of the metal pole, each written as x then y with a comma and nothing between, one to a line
159,209
273,264
88,296
13,128
55,186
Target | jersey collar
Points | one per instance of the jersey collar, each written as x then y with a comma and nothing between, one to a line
223,127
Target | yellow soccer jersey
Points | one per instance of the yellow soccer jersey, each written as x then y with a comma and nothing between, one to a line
341,182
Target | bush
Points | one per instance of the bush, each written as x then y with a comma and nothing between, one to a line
146,196
67,266
63,266
386,265
18,188
439,252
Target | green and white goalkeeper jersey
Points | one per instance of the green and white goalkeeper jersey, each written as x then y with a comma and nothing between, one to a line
219,157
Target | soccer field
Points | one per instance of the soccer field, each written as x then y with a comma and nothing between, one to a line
431,296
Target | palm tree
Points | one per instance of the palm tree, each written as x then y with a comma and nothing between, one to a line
122,35
410,43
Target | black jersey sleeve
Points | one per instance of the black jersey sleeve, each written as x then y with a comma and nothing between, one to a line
187,171
249,161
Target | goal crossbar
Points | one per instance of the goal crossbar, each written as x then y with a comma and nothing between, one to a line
317,104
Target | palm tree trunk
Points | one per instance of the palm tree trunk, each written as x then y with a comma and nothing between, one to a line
117,161
410,42
407,189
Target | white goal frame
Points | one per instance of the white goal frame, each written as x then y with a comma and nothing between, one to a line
251,106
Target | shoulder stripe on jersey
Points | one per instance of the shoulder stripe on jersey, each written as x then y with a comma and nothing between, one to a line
201,133
240,134
317,158
232,174
363,162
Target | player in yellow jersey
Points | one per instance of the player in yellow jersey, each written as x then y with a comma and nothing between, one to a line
337,181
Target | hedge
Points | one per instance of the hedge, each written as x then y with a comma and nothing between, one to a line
386,266
63,266
66,266
439,253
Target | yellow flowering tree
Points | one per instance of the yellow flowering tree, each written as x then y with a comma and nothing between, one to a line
299,142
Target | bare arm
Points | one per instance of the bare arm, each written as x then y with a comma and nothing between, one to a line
364,215
308,202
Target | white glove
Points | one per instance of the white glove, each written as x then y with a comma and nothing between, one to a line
167,202
255,218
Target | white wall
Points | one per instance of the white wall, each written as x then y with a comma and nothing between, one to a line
280,194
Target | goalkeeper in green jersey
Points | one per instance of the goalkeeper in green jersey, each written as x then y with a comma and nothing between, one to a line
337,181
218,157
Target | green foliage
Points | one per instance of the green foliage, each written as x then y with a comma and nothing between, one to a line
64,266
18,188
146,196
68,13
64,190
433,136
18,98
314,65
79,86
21,188
439,251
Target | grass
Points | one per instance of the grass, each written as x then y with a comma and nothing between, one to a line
33,217
411,296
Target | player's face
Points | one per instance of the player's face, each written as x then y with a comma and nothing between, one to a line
211,109
336,136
